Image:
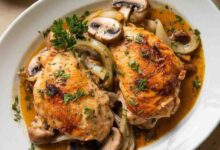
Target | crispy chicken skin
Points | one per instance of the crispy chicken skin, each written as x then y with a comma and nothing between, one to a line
85,118
148,77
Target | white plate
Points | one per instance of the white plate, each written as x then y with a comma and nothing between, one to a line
22,35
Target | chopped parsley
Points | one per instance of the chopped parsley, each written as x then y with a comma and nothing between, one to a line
140,112
142,84
32,147
139,39
61,74
179,19
86,14
16,109
134,66
41,93
126,53
29,104
133,103
196,83
88,112
144,55
197,32
73,97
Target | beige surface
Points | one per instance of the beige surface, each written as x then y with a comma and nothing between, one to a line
10,9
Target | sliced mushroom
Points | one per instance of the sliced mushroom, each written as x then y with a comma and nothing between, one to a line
139,8
34,67
105,29
113,142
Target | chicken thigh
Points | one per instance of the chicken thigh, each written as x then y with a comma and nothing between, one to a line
149,76
68,101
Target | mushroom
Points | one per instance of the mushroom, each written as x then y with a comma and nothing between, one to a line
105,29
34,67
139,8
113,142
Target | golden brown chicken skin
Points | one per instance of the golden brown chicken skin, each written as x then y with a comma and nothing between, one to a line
69,101
148,73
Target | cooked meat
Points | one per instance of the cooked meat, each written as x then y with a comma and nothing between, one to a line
148,76
39,132
69,101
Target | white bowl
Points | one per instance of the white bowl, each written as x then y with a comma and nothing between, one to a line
21,38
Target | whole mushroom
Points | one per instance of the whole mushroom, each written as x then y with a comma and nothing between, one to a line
105,29
139,8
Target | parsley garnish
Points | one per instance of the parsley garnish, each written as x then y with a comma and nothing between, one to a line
134,66
140,112
139,39
77,26
179,19
32,147
196,83
41,93
15,108
73,97
133,103
197,32
62,38
144,55
88,112
142,84
61,74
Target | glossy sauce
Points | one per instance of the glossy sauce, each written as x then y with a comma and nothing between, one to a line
188,94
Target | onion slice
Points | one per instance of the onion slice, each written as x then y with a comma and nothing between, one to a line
92,45
177,46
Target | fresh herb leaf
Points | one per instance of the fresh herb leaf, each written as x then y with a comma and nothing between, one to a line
77,26
62,38
32,147
144,55
73,97
142,84
88,112
46,32
133,103
126,53
179,19
28,98
196,83
139,39
41,93
140,112
134,66
16,109
197,32
61,74
86,14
